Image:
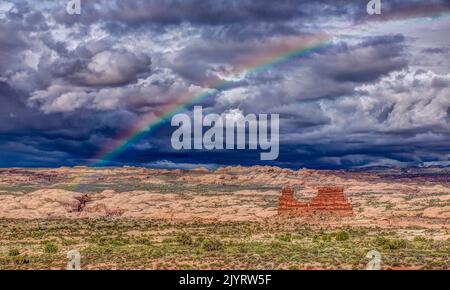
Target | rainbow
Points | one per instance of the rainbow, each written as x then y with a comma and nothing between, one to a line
151,122
273,57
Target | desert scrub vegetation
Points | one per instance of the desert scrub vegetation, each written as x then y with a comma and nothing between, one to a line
154,244
13,252
212,244
18,188
342,236
50,247
391,244
184,239
131,184
285,237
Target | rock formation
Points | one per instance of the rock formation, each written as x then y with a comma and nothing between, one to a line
329,200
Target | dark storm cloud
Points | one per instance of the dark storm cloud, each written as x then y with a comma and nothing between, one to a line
365,62
436,50
232,19
96,64
112,68
70,84
199,12
12,41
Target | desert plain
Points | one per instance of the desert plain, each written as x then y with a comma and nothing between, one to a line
227,218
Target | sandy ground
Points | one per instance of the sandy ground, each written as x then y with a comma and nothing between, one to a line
227,194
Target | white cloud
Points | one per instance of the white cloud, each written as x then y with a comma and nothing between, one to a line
165,164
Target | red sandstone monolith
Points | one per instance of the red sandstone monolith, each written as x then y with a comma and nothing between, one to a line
329,200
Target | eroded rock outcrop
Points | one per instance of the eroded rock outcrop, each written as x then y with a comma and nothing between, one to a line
329,200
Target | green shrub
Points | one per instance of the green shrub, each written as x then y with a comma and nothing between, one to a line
391,244
50,248
184,239
21,260
420,239
285,237
342,236
13,253
397,244
243,249
212,245
199,241
143,241
326,238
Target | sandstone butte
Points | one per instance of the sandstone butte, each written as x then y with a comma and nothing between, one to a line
328,201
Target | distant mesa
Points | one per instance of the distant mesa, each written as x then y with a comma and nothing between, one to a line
328,201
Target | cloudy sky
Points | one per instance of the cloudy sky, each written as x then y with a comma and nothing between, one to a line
378,95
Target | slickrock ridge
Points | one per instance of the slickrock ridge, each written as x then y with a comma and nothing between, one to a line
329,200
379,197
